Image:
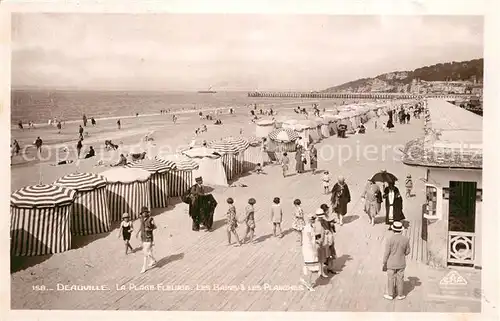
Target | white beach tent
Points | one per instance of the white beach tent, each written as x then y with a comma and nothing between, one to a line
312,125
264,127
323,126
210,165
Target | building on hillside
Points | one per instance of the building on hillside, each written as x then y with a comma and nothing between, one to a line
451,152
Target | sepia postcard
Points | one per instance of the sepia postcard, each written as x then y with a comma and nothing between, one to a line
312,157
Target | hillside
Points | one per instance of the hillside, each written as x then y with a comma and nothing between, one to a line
399,81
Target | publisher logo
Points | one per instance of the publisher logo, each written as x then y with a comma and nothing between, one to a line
453,278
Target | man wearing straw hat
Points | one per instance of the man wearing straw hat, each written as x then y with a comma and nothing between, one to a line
146,231
394,261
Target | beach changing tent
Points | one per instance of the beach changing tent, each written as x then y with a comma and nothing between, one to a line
128,191
158,182
40,220
323,126
282,140
254,154
180,179
210,165
231,149
90,213
314,130
263,128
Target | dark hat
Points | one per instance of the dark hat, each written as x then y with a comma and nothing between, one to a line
144,209
198,179
251,201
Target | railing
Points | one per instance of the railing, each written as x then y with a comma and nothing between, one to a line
461,246
354,95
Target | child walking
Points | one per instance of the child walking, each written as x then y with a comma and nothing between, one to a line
258,168
284,163
298,222
408,185
326,182
249,220
232,222
276,217
125,231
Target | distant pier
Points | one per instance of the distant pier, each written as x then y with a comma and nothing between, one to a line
316,95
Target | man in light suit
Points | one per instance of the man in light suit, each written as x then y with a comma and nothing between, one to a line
394,261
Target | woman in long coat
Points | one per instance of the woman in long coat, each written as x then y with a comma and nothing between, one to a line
299,165
373,200
393,205
390,123
313,155
340,198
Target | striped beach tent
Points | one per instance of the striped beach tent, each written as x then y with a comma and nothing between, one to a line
40,220
254,154
323,126
231,149
282,140
264,127
128,191
211,168
181,178
90,213
158,182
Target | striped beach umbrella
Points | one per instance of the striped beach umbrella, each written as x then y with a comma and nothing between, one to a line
180,179
231,149
283,140
159,179
90,212
40,220
283,135
229,145
128,191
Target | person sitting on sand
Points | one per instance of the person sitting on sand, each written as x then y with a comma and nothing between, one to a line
121,162
138,156
91,153
361,129
64,162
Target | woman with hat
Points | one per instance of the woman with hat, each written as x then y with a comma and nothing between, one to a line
194,211
125,231
309,253
393,205
324,238
373,200
340,198
330,226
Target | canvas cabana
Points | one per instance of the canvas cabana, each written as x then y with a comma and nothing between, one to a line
181,178
264,127
323,126
254,154
231,149
90,212
158,182
40,220
314,132
283,140
128,191
210,165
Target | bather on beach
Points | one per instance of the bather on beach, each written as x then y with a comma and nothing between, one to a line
121,162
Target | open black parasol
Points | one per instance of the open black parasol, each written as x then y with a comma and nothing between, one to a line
384,177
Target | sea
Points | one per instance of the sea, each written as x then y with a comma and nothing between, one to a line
40,106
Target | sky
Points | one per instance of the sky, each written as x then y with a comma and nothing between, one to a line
229,52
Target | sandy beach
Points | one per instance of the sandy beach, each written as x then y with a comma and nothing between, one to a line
197,270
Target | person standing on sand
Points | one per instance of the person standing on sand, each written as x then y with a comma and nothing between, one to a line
92,120
298,221
59,127
80,132
309,253
299,164
16,147
313,158
20,125
119,123
146,231
84,120
394,261
373,200
390,124
232,222
276,217
38,144
284,164
340,198
79,147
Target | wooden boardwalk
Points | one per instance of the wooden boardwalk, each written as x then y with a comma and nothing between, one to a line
198,271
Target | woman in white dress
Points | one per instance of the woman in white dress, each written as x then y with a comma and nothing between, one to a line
309,253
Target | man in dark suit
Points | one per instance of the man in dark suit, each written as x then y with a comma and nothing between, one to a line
195,192
394,261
